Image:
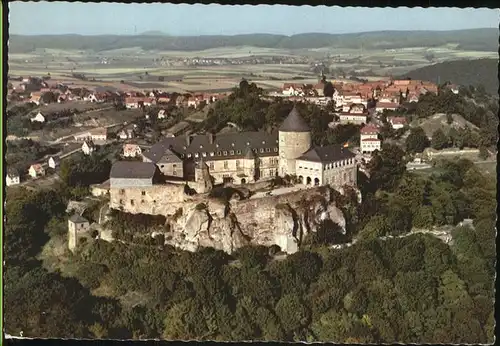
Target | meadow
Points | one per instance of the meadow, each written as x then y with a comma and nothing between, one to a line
139,69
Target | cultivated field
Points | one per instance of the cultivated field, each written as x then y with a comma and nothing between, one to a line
139,69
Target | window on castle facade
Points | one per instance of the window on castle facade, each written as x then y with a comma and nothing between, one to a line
226,165
211,165
131,202
237,164
122,191
143,193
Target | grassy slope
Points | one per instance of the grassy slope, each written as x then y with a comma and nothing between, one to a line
437,121
462,72
474,39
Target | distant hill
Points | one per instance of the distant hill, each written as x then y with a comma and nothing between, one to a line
462,72
473,39
153,33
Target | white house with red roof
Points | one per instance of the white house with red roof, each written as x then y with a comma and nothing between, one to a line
290,89
137,102
357,114
412,97
131,150
36,170
369,140
397,122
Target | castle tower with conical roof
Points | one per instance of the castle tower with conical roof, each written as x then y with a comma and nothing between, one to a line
294,140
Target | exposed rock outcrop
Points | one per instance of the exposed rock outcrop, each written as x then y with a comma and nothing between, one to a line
283,220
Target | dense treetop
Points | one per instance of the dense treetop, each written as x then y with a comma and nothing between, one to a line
478,72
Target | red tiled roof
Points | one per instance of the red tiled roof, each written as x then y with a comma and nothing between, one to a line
387,105
99,131
37,167
353,114
370,129
350,93
397,120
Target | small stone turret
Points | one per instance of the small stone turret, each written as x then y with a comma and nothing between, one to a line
202,177
78,227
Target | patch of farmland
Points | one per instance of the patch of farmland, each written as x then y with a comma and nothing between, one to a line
228,52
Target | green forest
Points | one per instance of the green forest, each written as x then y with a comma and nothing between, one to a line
390,286
481,73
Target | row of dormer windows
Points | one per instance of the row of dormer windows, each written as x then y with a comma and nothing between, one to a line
230,152
339,164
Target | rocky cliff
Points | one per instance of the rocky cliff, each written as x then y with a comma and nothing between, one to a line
283,220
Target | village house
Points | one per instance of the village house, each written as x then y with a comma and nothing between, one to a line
13,177
290,89
388,98
382,106
319,88
36,170
54,162
412,97
91,98
337,97
131,150
397,122
88,147
351,97
36,98
369,140
162,114
163,99
99,190
99,134
453,88
192,102
357,114
180,101
127,133
38,118
138,102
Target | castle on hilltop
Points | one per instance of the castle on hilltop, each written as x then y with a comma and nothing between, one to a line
238,158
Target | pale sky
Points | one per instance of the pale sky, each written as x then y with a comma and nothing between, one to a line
52,18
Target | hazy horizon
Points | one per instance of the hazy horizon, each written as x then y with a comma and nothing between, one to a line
94,19
252,33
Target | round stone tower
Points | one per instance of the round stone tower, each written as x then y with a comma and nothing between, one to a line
294,140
